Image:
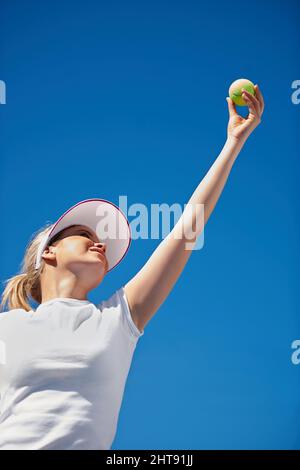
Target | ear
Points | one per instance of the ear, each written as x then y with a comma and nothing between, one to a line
49,253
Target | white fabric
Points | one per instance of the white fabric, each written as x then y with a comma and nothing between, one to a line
66,368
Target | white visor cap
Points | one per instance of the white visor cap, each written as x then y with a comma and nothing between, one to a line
104,218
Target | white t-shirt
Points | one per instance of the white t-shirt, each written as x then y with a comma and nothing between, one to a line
63,370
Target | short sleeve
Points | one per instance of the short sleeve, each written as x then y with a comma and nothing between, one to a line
117,312
126,311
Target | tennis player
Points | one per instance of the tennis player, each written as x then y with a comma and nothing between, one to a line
64,365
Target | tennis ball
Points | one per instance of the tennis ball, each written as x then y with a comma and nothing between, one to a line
235,90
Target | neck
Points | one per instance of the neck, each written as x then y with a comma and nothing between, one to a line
62,285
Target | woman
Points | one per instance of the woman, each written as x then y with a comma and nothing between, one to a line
66,363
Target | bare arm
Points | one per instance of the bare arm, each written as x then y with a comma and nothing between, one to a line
148,289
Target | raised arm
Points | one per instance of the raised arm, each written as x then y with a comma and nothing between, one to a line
148,289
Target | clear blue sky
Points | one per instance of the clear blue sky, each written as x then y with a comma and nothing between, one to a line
128,98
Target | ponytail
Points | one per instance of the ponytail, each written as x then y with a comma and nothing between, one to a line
25,285
15,292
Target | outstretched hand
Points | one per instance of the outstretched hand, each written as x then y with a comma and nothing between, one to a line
240,128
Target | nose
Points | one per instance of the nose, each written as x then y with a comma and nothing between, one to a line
101,245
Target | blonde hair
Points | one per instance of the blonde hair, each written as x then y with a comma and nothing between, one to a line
26,283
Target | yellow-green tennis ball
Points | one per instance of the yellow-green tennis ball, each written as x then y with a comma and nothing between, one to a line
235,90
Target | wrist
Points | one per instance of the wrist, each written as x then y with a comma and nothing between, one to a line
232,148
236,141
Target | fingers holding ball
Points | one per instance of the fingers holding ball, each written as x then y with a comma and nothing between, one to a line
244,93
236,91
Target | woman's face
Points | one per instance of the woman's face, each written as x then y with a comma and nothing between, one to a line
75,251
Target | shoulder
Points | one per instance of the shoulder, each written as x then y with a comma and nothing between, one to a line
117,305
114,300
13,314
